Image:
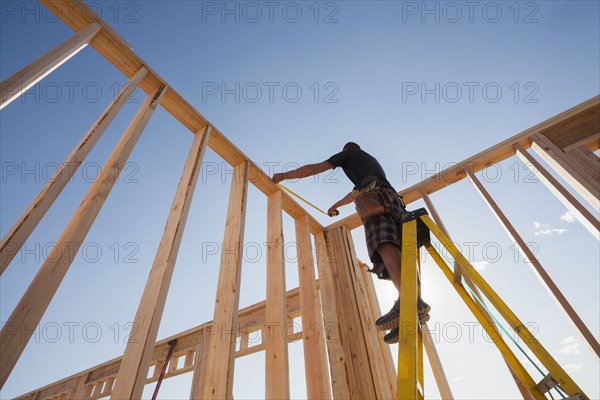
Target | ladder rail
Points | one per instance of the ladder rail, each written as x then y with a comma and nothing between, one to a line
409,332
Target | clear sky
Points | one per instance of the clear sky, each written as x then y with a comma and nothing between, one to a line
419,85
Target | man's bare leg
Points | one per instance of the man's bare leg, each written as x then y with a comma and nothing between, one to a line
392,258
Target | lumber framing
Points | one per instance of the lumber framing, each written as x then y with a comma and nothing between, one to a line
252,316
77,15
338,309
579,177
221,348
430,346
134,368
18,83
276,349
584,116
19,233
537,266
18,329
582,214
315,359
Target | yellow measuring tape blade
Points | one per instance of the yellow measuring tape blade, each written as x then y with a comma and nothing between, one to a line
301,198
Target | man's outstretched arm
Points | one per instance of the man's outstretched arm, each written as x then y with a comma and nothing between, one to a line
303,172
347,199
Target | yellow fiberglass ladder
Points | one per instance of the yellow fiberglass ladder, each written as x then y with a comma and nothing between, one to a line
416,230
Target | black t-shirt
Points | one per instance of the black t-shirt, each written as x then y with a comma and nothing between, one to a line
357,165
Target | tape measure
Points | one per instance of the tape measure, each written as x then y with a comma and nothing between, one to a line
333,214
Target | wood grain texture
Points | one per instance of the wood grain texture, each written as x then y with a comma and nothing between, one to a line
30,309
16,84
277,379
19,233
134,367
221,347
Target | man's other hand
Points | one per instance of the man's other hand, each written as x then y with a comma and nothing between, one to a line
278,178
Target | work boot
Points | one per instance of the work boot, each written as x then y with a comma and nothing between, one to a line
392,336
390,320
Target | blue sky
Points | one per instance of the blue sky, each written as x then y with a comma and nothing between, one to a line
417,88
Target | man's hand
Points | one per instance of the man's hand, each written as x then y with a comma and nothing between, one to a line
332,212
278,178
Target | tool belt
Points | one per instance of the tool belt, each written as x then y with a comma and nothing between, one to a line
373,201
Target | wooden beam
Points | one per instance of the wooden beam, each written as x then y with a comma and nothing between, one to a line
372,338
544,277
592,143
573,129
340,382
356,340
78,387
317,376
16,84
134,367
200,359
388,367
77,15
18,234
21,324
583,112
564,166
252,317
589,221
221,356
277,380
587,160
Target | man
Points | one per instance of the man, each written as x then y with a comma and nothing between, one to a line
383,232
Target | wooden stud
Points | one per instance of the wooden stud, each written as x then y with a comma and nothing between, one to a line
276,348
134,367
317,376
77,390
13,86
372,339
568,170
18,234
592,143
365,380
587,161
199,376
544,277
220,365
587,219
18,329
340,382
360,385
189,359
383,349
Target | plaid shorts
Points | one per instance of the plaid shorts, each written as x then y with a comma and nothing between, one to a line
385,228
